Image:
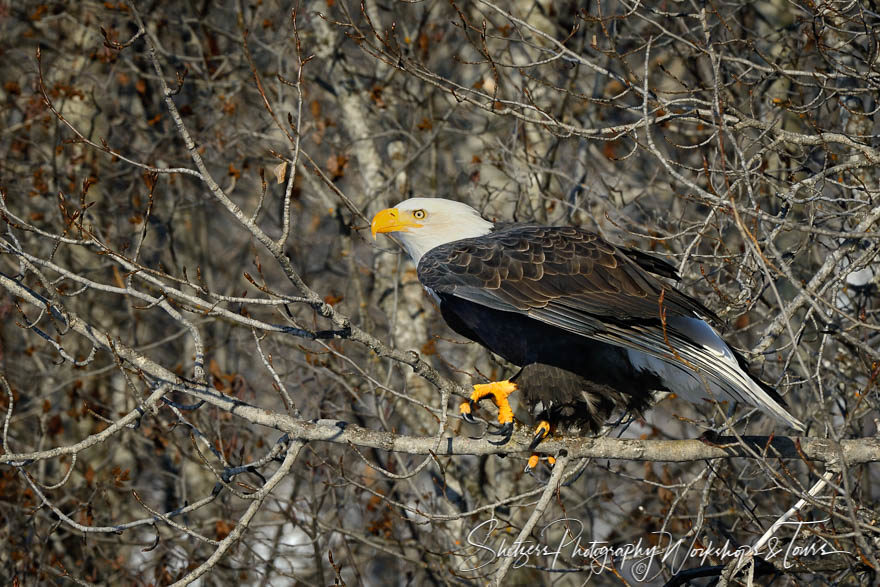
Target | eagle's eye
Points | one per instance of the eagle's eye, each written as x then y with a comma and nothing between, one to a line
419,214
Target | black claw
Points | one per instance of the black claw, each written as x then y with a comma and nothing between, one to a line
469,418
497,429
531,472
505,431
536,441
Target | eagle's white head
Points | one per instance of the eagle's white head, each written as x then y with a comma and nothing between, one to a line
424,223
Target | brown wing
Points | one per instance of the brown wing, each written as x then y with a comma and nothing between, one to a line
572,279
564,276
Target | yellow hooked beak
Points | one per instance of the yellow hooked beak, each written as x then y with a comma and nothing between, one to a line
392,220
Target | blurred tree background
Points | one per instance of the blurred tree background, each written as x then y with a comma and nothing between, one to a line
210,370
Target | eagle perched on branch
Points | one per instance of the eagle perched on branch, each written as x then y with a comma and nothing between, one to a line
590,324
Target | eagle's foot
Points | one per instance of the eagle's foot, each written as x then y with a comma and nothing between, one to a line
534,460
498,391
465,409
541,432
505,431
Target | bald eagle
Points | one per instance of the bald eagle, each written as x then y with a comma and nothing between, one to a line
591,325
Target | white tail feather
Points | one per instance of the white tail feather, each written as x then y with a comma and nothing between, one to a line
701,355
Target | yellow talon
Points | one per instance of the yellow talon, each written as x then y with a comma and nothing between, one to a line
498,390
535,459
541,432
543,429
464,408
533,462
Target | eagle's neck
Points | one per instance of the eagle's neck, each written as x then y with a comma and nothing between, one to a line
419,241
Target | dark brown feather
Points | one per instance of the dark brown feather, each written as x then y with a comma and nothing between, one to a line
573,403
511,290
545,270
565,298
